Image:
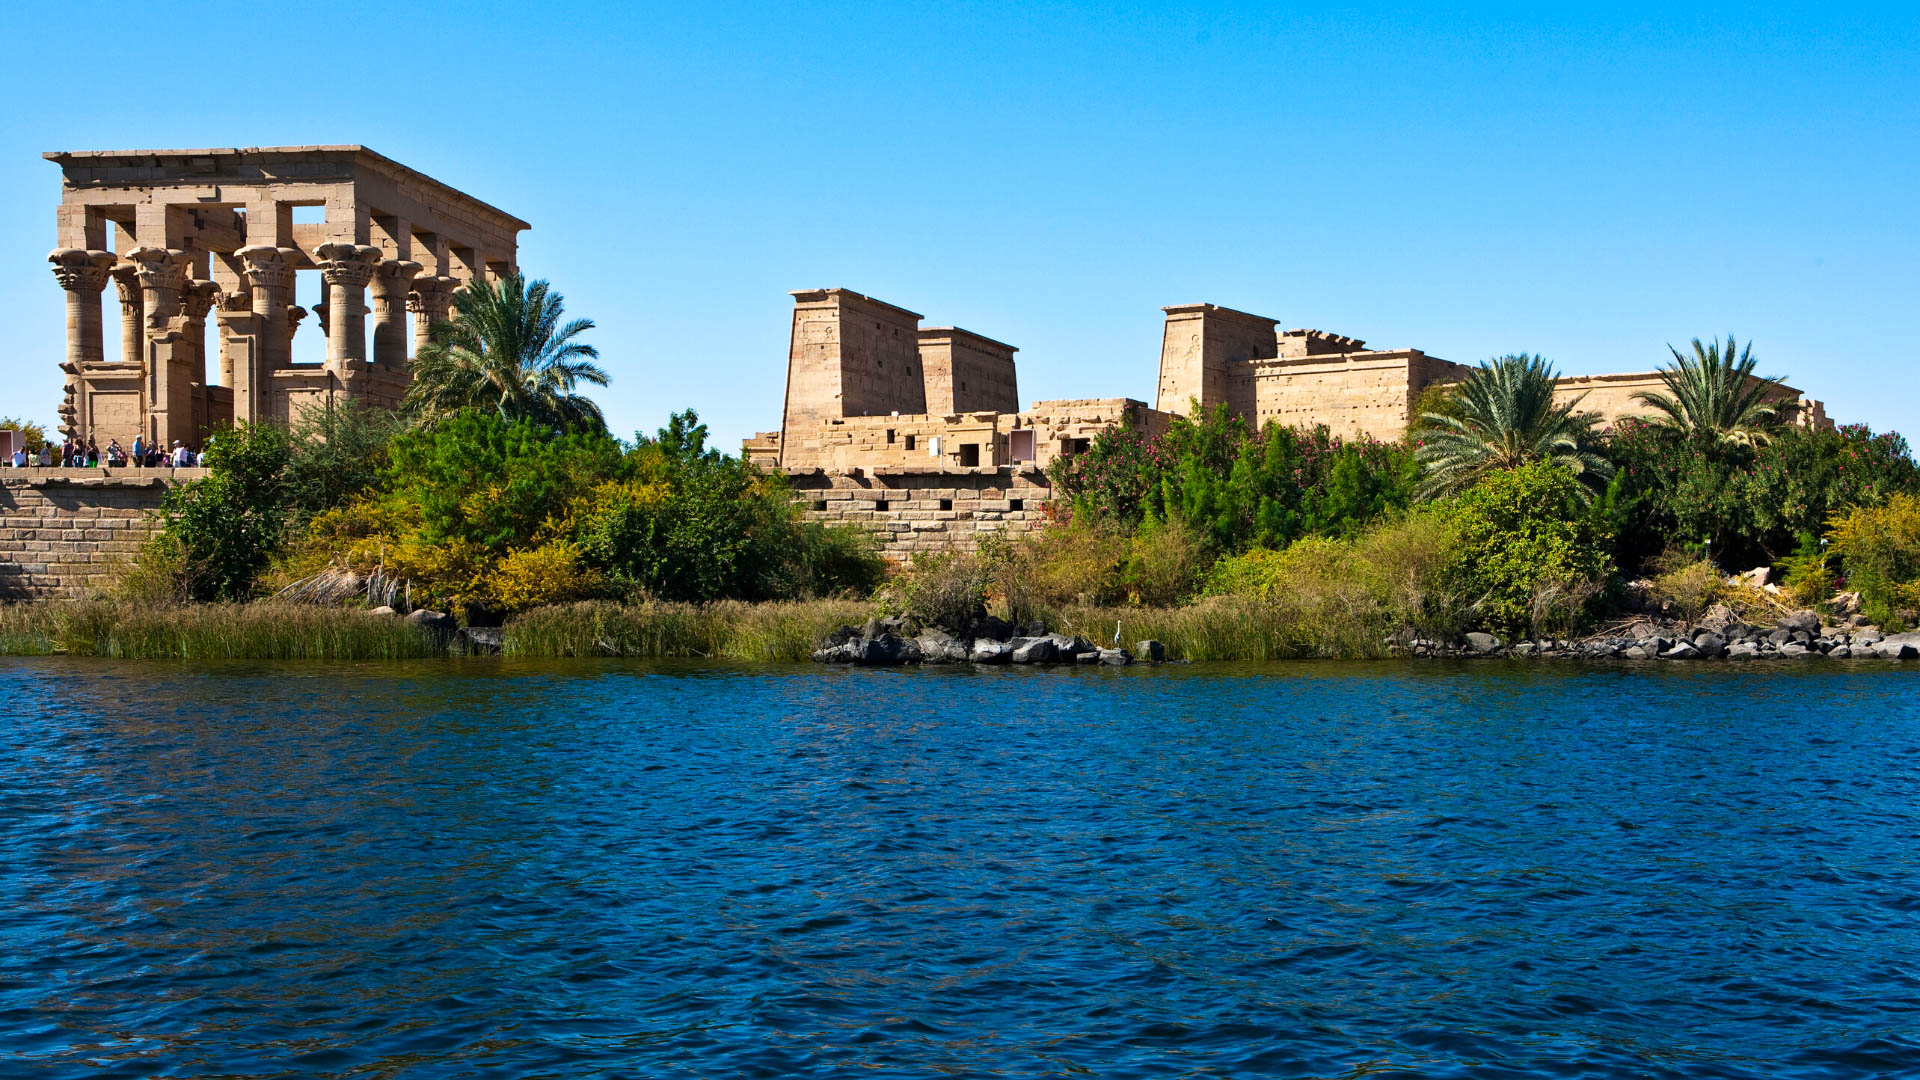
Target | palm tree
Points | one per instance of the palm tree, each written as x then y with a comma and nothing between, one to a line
505,350
1714,396
1503,416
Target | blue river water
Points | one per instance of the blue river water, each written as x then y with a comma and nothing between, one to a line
502,869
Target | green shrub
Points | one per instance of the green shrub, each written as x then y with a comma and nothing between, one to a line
1529,553
1879,552
229,525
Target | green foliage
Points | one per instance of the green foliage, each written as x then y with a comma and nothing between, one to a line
506,352
695,524
1232,488
1807,573
229,525
1879,552
1529,549
339,452
1502,417
1749,503
1713,396
485,481
32,434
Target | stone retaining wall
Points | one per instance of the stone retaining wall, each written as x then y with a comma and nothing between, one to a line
63,531
925,511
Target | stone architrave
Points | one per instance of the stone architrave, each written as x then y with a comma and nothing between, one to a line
83,274
346,268
392,282
126,282
162,275
430,300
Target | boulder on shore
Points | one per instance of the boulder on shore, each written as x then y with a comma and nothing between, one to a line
1034,650
989,651
1481,644
1150,650
437,622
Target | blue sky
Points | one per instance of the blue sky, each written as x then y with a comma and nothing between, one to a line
1470,181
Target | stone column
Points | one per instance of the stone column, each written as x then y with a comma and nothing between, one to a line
162,275
83,274
347,268
392,280
269,272
429,301
196,300
126,282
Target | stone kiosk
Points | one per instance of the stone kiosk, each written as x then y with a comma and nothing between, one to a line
182,234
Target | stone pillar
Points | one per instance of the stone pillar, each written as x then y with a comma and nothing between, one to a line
346,268
162,274
430,301
196,300
392,280
83,274
269,272
126,282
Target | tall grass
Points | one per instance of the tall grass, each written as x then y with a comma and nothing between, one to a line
728,630
1228,628
258,631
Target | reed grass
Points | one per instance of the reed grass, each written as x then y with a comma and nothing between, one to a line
257,631
728,630
1231,628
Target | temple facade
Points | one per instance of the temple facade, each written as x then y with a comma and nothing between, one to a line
187,234
917,433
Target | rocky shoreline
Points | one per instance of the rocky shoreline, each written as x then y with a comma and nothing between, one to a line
1717,635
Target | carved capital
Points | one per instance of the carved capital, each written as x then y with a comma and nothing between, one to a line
269,267
159,268
198,298
351,265
432,295
392,277
82,271
126,282
294,314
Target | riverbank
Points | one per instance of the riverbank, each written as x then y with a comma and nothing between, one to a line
1213,629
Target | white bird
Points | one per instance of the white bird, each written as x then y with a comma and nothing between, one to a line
1116,633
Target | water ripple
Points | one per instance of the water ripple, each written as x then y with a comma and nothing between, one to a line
613,870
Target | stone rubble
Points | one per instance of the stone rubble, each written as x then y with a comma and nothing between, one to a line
892,642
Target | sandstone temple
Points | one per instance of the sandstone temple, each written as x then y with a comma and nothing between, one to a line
917,432
188,234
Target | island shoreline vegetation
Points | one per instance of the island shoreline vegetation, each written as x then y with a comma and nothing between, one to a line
497,495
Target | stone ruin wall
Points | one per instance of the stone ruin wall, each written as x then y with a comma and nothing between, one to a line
65,531
910,513
967,373
1612,396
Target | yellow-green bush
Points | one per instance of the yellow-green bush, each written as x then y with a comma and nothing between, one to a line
1879,552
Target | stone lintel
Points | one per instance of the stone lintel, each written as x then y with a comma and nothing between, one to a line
848,298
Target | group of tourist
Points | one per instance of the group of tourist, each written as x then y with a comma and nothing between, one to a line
86,454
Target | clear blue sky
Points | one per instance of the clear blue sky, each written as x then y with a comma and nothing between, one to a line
1471,182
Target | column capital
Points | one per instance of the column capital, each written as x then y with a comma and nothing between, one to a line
79,270
159,268
351,265
391,277
198,298
267,266
294,314
126,282
431,295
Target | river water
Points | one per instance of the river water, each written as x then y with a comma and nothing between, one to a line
497,869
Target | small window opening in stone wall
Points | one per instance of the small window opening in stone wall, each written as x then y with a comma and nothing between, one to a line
880,507
1016,504
910,442
819,504
890,437
970,455
946,504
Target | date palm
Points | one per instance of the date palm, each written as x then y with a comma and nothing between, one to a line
1501,417
505,350
1714,396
